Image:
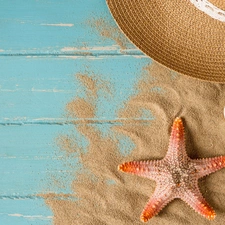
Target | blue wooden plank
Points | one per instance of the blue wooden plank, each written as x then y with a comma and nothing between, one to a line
29,156
56,27
36,90
53,41
31,162
24,211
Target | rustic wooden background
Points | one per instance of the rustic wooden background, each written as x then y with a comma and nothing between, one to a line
43,45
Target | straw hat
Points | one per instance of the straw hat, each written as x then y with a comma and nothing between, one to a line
187,36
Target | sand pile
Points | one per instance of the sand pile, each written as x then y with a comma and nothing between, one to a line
107,196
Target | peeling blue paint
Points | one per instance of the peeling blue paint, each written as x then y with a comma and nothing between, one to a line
147,114
126,145
157,89
111,182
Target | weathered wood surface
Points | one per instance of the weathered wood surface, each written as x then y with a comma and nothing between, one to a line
43,44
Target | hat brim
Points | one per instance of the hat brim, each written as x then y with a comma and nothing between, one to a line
176,34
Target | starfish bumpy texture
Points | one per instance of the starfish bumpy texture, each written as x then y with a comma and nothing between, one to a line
176,176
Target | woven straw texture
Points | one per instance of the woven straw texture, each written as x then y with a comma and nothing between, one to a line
176,34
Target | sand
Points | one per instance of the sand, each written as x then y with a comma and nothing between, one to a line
109,30
104,196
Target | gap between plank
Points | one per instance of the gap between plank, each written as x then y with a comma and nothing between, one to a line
117,121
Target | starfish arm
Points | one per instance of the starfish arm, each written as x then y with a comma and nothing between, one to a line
157,202
210,165
177,148
197,202
149,169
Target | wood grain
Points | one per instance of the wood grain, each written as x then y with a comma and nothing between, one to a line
43,46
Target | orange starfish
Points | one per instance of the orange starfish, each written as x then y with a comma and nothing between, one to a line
176,176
